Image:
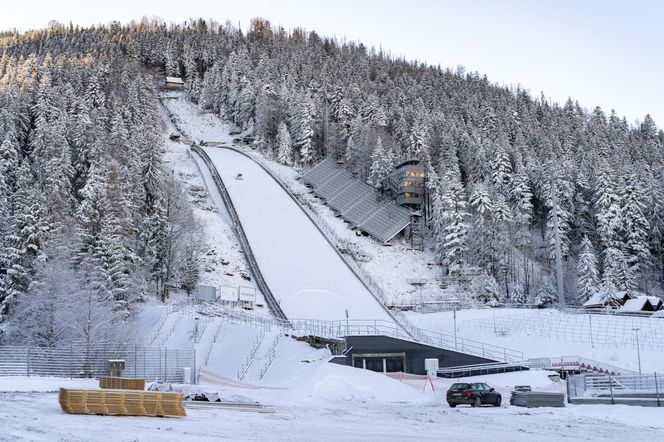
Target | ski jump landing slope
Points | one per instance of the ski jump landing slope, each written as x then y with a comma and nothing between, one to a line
304,272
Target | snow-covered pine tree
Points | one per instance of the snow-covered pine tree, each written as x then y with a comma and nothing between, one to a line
114,249
518,294
45,315
284,145
25,240
616,275
634,224
454,217
378,170
302,116
545,296
417,142
501,169
588,275
265,127
608,213
484,288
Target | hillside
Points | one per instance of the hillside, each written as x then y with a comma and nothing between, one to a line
86,202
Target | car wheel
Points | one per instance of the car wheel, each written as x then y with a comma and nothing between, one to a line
477,402
452,405
498,401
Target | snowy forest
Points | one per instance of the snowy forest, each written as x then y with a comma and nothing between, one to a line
85,202
90,221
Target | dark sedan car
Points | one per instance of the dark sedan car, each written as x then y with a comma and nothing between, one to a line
474,395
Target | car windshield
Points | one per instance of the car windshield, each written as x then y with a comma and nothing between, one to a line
459,387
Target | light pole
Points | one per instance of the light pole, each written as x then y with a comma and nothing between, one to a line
638,350
455,330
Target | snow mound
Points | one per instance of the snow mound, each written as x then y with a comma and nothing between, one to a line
333,382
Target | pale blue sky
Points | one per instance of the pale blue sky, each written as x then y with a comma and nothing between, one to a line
608,53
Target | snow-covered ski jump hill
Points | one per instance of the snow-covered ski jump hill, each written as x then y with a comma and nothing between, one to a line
304,272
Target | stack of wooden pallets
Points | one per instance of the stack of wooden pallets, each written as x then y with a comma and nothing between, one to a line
109,382
122,402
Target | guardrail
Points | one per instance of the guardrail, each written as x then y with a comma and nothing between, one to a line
341,328
576,363
480,369
251,356
271,356
214,341
237,224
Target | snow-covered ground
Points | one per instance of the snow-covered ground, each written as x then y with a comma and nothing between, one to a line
327,403
550,333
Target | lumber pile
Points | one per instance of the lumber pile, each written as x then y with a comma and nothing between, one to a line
122,402
532,399
110,382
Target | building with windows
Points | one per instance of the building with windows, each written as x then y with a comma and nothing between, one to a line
406,183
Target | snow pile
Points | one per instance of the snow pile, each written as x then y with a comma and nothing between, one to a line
332,382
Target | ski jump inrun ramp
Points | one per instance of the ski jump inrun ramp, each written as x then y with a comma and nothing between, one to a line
301,271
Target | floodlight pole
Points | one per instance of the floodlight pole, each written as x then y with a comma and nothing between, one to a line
455,329
638,349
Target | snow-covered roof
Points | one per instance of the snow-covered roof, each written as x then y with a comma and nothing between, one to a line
177,80
654,300
595,300
603,298
634,305
637,304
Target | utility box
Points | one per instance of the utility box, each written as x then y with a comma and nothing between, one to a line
431,367
116,367
186,375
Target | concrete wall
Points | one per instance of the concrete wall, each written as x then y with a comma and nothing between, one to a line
415,353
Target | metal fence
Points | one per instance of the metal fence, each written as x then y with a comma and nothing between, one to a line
602,331
643,389
81,361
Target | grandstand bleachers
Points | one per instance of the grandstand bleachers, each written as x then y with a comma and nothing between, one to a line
347,197
334,184
387,222
320,172
357,202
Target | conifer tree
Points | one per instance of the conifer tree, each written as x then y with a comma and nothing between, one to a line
454,218
588,275
284,145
